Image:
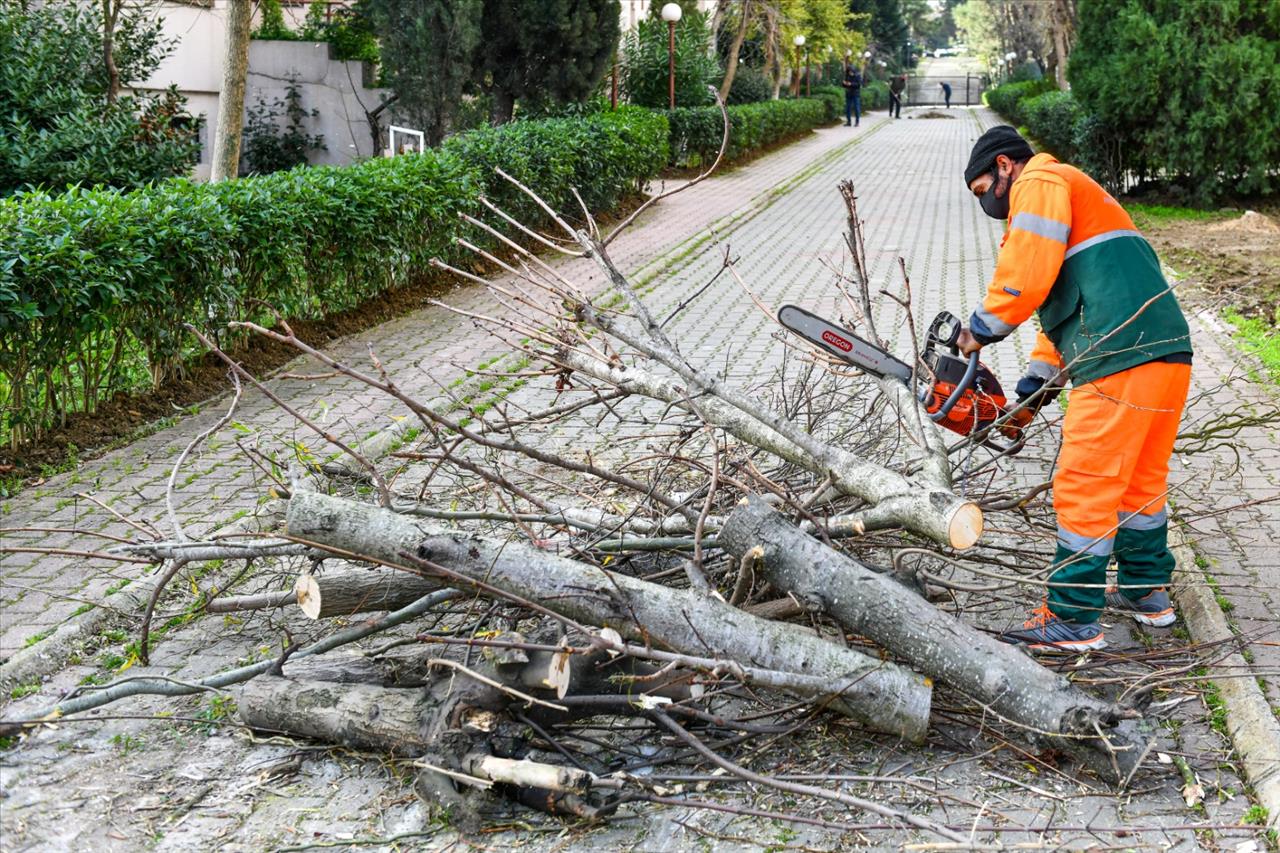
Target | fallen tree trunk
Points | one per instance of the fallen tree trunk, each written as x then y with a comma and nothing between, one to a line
999,676
361,716
927,507
343,593
262,601
883,696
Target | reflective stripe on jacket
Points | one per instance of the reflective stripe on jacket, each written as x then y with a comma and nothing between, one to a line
1072,254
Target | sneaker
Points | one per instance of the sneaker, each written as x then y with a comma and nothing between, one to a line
1152,609
1046,632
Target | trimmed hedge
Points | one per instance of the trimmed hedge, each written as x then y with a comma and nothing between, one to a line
696,131
1054,119
96,284
1007,99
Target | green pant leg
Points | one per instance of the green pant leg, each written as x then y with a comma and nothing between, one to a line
1143,558
1073,603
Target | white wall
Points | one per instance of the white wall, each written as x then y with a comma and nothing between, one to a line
334,88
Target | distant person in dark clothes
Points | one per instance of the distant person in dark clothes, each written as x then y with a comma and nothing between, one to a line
946,93
852,95
896,88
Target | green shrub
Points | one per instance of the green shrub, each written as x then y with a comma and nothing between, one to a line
1185,91
58,124
832,97
96,284
1052,119
645,69
1008,99
749,86
875,95
696,132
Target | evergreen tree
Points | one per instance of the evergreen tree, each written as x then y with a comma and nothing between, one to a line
1186,91
428,50
61,120
544,50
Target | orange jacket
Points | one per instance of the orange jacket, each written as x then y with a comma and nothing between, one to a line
1056,212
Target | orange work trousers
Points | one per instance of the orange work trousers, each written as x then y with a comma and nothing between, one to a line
1116,442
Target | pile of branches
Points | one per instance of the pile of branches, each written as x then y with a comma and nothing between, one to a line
765,549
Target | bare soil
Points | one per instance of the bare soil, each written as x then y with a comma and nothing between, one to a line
1232,263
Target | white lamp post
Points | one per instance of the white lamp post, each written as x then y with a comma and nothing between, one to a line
671,13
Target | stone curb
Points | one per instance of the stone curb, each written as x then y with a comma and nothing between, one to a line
1251,724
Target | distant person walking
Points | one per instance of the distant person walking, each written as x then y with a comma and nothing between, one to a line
852,95
896,87
946,93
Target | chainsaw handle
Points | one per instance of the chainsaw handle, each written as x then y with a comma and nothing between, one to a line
963,385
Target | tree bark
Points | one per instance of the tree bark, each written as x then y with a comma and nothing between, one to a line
263,601
343,593
110,17
883,696
731,69
995,674
235,68
361,716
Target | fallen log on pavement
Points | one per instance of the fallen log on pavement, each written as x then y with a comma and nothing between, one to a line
342,593
926,506
883,696
1001,677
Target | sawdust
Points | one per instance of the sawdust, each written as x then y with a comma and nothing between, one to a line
1251,223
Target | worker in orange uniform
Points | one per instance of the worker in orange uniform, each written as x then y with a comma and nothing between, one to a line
1109,319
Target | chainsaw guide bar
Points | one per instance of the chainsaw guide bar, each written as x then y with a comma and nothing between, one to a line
843,344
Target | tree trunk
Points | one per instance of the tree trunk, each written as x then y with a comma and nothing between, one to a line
997,675
235,68
360,716
731,69
110,17
343,593
504,106
927,508
881,695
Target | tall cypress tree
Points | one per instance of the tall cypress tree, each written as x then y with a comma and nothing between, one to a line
551,50
428,48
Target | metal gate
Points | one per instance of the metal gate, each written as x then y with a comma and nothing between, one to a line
966,90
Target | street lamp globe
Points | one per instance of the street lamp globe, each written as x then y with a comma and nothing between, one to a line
799,40
671,13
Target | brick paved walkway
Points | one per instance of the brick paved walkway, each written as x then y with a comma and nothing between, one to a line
781,216
426,350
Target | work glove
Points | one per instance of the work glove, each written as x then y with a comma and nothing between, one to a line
1021,419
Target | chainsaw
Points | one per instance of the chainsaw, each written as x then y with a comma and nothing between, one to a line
963,395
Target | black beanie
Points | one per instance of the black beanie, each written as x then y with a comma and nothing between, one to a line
1001,139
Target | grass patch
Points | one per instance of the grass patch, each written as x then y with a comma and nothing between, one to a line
35,638
1259,338
26,689
1155,215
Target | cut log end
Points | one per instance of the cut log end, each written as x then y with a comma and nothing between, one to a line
308,593
965,526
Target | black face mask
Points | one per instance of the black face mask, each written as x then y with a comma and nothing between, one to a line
997,207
